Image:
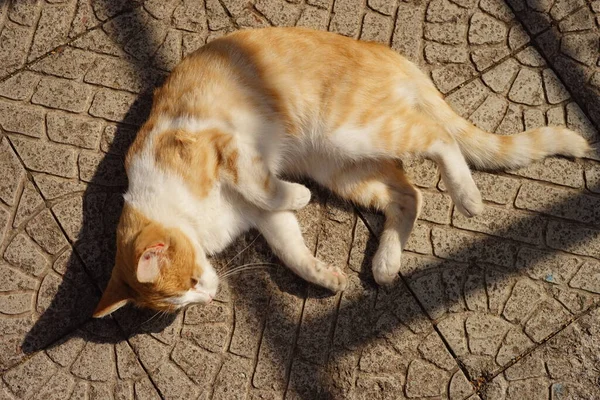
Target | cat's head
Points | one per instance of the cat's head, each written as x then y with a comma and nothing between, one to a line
156,267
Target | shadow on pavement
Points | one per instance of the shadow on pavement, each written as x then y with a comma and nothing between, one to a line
88,269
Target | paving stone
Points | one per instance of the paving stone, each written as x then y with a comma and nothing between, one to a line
13,279
168,54
582,47
29,203
24,12
513,345
12,171
46,157
117,106
409,26
119,74
440,53
94,362
548,266
377,28
527,88
489,114
587,278
451,76
436,207
234,377
555,170
485,333
97,40
27,378
71,129
110,8
500,78
14,45
68,62
282,13
102,169
446,33
559,202
27,120
314,17
52,29
190,16
443,11
173,383
573,238
487,57
486,30
592,177
23,254
461,246
53,186
63,94
530,57
424,379
84,19
466,99
578,121
19,86
495,188
46,232
525,296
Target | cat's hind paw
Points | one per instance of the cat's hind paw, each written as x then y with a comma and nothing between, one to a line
300,196
386,266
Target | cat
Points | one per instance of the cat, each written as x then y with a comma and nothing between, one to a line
252,106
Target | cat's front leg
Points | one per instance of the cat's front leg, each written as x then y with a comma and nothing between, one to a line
282,232
256,183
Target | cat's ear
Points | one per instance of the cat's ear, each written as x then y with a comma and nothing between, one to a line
115,296
148,267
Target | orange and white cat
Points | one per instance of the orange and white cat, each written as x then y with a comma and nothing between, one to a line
257,104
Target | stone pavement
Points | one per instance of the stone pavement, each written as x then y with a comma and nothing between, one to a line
501,306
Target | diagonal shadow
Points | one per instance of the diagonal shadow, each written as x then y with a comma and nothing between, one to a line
86,270
89,268
546,37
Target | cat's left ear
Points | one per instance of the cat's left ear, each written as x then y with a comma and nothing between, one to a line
148,268
115,296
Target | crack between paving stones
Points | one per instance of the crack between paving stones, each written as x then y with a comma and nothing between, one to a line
341,295
532,42
573,319
260,344
66,43
512,54
299,327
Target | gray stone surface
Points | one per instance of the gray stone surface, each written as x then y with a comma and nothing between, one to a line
500,306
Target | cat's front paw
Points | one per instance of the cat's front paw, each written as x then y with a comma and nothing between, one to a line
330,277
300,196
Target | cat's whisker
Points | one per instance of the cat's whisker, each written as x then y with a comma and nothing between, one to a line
151,318
246,267
241,251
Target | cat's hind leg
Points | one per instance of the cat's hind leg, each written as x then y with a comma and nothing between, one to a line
380,185
457,176
282,232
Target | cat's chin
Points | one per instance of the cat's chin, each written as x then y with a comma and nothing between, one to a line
193,296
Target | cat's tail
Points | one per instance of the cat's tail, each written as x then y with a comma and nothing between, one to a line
493,151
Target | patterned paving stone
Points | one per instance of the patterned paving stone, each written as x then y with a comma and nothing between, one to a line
477,294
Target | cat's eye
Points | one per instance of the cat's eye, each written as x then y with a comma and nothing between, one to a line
193,281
